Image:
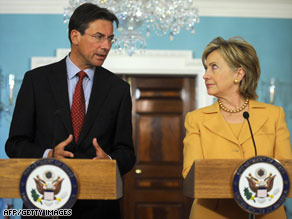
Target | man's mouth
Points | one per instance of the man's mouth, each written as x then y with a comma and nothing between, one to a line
103,56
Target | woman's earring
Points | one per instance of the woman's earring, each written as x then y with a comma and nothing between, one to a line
236,81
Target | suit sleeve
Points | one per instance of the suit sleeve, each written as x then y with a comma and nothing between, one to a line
192,144
123,149
282,141
20,143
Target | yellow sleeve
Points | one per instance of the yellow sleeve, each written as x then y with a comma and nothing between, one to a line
192,144
282,148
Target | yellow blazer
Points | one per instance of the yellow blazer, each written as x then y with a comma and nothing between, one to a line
208,136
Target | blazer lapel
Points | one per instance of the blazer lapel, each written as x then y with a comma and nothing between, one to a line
99,93
256,118
58,81
217,123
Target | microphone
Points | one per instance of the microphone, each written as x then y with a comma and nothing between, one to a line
246,116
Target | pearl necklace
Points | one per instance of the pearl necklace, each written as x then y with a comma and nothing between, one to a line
235,110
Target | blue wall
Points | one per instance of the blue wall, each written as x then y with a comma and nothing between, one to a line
24,36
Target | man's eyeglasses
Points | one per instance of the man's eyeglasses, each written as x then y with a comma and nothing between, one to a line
100,38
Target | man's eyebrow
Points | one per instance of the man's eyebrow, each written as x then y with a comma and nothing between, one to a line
103,34
99,33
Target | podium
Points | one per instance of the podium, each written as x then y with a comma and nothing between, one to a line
212,179
97,179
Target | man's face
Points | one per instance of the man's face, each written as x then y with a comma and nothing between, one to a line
92,48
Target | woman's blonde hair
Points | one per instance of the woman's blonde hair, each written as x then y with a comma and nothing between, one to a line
238,54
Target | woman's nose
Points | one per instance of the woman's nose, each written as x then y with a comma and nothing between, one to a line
206,75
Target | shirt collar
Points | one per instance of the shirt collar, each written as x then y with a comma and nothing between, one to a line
72,69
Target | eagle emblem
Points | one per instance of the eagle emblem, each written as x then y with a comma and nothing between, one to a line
48,184
48,187
261,185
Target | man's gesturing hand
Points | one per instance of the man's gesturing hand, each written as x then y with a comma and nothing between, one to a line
100,154
59,151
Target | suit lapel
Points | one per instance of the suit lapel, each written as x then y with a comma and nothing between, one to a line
100,90
58,81
256,118
217,123
219,126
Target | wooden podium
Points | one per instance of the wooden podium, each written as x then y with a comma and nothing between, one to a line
97,179
213,178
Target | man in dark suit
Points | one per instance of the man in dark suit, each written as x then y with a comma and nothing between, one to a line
47,115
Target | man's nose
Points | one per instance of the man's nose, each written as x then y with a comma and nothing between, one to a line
106,44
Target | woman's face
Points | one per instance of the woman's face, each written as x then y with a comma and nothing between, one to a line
219,77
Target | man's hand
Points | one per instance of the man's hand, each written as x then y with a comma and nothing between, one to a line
100,154
59,151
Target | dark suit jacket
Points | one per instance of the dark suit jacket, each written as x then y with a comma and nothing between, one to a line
42,116
42,119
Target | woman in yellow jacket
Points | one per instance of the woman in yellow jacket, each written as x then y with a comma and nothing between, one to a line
219,131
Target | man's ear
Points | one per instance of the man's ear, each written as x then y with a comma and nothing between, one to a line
75,37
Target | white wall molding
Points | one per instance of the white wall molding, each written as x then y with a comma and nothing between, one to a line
213,8
32,6
151,62
245,8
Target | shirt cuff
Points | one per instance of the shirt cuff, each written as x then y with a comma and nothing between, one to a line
45,155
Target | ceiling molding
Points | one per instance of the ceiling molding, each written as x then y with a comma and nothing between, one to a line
212,8
247,8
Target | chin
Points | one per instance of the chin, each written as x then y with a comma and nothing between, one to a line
210,93
98,63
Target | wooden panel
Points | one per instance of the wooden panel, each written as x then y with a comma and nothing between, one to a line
159,106
159,171
155,196
221,171
171,146
158,211
159,82
97,179
171,94
213,178
159,138
158,184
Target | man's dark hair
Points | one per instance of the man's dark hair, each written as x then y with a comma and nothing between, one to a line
86,13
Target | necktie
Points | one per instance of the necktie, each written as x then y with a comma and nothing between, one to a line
78,107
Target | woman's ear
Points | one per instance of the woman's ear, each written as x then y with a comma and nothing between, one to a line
240,74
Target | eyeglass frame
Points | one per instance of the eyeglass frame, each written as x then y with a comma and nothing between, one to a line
100,38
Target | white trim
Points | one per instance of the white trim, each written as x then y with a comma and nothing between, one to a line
245,8
151,62
210,8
